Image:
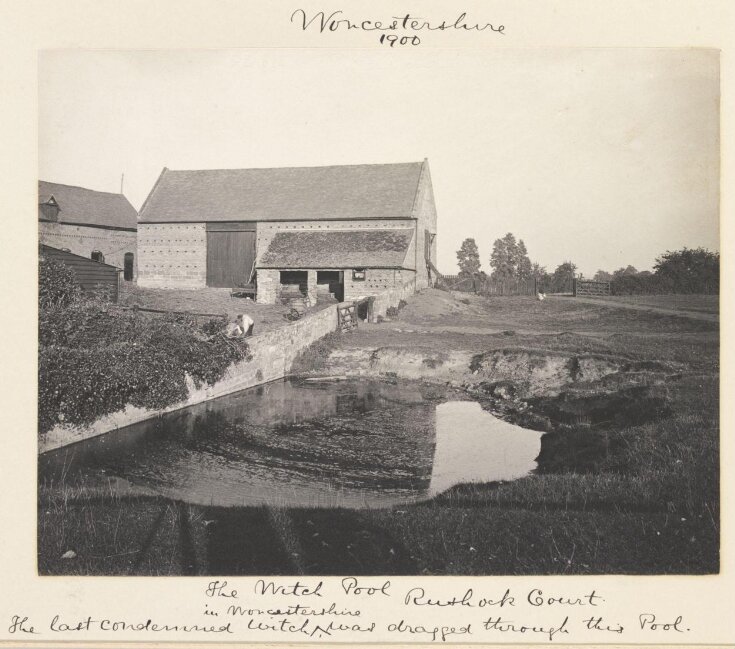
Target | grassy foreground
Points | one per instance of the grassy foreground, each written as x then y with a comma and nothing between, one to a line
643,499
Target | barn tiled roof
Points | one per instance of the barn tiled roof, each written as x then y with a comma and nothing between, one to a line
339,249
284,193
88,207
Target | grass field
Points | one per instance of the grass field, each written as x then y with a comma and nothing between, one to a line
640,497
703,303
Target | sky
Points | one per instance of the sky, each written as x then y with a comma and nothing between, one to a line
604,157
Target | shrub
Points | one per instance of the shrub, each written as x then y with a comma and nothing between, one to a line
393,311
57,284
94,359
681,271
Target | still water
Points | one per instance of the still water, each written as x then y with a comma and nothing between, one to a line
294,443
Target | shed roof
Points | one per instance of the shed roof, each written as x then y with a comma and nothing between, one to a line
284,193
339,249
87,206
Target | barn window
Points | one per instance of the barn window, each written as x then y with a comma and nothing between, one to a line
98,256
358,274
128,266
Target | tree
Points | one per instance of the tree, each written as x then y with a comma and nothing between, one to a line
504,257
627,271
468,258
602,276
523,269
542,277
537,270
690,270
561,280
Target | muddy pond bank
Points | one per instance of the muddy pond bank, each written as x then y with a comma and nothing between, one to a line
571,396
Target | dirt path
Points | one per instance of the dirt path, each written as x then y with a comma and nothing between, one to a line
692,315
495,331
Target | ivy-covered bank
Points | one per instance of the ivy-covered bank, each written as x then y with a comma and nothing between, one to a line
96,358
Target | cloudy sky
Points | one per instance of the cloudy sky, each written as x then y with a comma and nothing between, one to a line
606,157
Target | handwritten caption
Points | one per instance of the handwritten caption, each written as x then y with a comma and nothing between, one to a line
395,31
360,608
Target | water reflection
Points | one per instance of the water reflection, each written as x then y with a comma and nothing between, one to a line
474,446
351,444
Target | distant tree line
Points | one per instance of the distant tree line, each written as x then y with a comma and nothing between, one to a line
689,270
509,260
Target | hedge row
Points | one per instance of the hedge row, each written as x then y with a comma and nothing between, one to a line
95,358
658,285
93,364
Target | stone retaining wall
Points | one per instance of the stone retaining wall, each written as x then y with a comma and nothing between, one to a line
273,353
383,301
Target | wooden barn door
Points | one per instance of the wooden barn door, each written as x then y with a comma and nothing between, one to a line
230,253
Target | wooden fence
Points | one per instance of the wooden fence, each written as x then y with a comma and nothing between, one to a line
508,287
584,287
456,283
487,286
347,316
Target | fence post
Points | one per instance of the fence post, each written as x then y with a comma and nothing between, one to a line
574,286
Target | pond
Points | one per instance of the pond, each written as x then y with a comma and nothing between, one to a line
302,443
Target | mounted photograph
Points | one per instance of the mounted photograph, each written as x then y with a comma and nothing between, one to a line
365,312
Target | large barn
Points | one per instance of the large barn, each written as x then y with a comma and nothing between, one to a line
354,230
96,225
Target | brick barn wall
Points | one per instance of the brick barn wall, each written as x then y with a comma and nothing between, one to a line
268,286
425,212
82,240
377,280
172,255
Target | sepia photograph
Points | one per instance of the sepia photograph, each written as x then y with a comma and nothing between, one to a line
356,312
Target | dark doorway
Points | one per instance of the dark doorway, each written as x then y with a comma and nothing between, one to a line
230,254
293,283
128,260
363,309
334,282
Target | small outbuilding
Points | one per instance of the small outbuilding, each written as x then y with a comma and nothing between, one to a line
352,231
97,225
92,276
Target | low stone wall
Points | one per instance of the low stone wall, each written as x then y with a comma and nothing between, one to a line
383,301
273,353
